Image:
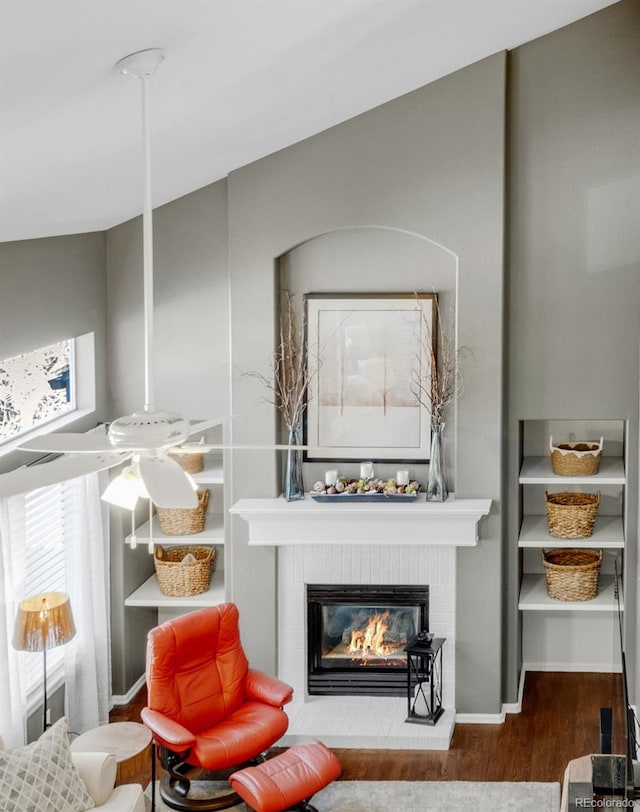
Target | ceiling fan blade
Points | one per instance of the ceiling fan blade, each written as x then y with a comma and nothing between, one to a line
167,484
205,447
202,425
39,475
68,443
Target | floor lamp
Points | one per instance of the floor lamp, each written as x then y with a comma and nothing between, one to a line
43,621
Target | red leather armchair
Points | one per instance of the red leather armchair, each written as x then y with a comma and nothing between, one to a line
206,707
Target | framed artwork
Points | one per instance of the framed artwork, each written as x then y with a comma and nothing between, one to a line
368,350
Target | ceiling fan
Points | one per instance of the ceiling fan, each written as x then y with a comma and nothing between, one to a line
144,438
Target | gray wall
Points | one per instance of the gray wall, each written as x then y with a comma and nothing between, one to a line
54,288
191,367
573,281
430,163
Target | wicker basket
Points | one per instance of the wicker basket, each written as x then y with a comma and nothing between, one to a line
571,515
178,578
184,521
575,459
192,462
572,575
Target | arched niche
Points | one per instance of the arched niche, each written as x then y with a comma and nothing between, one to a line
375,260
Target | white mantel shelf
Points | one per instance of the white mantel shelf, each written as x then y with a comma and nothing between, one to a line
276,522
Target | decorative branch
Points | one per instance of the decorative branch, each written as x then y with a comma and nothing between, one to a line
442,385
291,373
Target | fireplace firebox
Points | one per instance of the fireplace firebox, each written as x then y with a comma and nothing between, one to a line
356,635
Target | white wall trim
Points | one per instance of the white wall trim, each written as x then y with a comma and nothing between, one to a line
594,668
516,707
495,718
480,718
124,699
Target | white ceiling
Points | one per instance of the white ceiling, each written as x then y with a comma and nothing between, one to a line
241,79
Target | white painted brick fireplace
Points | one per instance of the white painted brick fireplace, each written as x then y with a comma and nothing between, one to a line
351,564
387,544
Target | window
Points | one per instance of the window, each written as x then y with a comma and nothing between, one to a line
48,521
39,393
56,539
36,388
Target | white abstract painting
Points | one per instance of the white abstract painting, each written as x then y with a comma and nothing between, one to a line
363,398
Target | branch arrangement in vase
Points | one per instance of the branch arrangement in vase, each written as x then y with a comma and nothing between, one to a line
442,385
437,390
291,373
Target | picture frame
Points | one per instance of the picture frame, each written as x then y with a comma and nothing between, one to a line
365,351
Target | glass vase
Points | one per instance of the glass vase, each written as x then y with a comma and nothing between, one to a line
437,479
293,487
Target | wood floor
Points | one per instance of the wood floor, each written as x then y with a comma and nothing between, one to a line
559,721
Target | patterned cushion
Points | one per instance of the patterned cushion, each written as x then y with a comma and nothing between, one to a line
41,777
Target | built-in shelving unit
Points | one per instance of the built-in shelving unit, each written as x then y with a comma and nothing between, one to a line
570,635
148,594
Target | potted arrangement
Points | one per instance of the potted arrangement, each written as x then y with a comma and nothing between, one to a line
437,390
289,388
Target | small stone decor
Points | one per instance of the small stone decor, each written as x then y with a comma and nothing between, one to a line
364,489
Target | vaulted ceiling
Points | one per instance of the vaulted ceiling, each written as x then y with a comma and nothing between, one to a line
241,79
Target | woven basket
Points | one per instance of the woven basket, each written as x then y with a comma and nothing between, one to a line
575,459
571,515
178,578
184,521
572,575
191,462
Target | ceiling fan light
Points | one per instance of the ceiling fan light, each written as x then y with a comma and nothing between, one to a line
125,489
119,493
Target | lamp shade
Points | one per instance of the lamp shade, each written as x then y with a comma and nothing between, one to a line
43,621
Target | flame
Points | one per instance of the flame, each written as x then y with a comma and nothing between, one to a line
370,640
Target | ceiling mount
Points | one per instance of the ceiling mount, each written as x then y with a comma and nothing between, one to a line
141,63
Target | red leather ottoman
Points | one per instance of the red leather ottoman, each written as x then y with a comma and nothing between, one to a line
287,781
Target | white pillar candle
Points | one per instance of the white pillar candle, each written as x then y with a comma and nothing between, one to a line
330,477
402,478
366,470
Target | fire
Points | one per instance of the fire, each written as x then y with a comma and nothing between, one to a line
369,641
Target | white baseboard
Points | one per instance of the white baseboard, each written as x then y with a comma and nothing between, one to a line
124,699
516,707
480,718
593,668
495,718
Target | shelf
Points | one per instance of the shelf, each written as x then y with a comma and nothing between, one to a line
213,532
538,471
608,533
148,594
212,473
534,598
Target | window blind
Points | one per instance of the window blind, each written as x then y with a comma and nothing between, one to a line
49,519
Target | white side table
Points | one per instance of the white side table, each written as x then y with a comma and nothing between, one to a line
130,742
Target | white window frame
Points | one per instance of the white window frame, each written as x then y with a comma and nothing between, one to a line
85,395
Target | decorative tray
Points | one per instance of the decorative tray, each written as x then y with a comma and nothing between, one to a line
365,490
364,497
